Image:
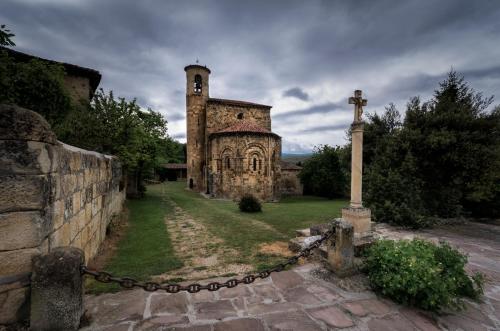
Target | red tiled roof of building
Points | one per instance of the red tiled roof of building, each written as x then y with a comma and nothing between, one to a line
289,166
237,103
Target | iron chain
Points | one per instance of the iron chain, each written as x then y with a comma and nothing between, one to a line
127,282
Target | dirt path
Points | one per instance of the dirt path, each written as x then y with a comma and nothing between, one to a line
203,254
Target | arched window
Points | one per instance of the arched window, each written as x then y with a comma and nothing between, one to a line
197,84
254,164
240,116
228,163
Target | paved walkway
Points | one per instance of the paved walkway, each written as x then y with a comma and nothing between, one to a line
308,298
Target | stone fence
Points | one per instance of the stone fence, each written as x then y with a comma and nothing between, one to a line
51,195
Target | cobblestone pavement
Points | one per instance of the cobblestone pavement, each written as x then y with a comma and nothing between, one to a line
308,298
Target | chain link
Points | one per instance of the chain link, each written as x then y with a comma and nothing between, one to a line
127,282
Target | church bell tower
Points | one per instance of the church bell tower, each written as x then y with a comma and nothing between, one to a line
196,100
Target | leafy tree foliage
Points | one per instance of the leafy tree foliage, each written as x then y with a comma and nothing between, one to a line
422,274
6,36
442,160
323,175
35,85
120,127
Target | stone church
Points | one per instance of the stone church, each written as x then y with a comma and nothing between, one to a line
231,150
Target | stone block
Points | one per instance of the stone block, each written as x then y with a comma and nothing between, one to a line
169,303
18,261
22,230
27,157
320,229
13,307
57,214
68,184
75,162
341,251
286,279
61,237
299,243
214,310
332,317
394,322
241,324
296,320
57,290
12,282
24,192
77,202
74,227
18,123
302,296
360,218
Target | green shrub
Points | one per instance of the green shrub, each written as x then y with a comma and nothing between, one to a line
249,204
420,273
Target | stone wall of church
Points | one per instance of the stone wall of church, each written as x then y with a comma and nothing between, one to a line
51,195
245,164
221,116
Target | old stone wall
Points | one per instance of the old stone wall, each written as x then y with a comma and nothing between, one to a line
51,195
221,116
245,164
78,87
290,182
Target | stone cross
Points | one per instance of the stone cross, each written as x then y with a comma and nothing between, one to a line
356,214
358,102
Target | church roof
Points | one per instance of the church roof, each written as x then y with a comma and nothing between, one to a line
285,165
245,127
237,103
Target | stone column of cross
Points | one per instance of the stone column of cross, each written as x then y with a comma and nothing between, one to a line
357,149
356,214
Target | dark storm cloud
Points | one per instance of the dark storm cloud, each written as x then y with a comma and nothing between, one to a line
296,92
326,128
315,109
175,117
390,49
179,136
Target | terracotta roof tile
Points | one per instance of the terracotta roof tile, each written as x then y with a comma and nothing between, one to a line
289,166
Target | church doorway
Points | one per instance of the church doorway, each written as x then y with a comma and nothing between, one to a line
191,183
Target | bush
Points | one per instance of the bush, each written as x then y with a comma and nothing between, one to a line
249,204
420,273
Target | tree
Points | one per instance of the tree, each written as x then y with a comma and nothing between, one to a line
443,160
120,127
455,142
5,36
322,174
35,85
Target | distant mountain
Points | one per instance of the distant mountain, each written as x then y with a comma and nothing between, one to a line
294,158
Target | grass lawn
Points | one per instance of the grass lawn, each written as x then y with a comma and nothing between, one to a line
245,232
146,248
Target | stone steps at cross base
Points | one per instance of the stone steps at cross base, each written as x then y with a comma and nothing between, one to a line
304,237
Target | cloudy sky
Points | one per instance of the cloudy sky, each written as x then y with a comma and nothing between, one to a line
303,57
